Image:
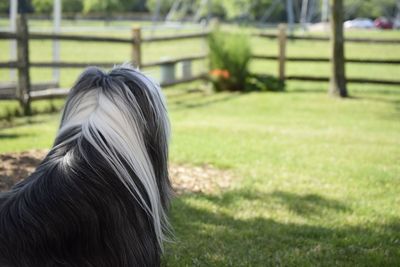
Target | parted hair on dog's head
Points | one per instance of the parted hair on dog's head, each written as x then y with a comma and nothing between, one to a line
100,196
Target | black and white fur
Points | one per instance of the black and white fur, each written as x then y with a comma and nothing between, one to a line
100,196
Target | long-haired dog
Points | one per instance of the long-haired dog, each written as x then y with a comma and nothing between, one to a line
100,196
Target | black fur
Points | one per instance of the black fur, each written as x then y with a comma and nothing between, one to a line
75,211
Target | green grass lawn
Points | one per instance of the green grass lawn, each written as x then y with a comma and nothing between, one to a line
316,179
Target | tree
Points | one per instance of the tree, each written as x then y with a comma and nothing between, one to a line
72,6
369,8
43,6
106,7
4,6
165,6
260,8
338,76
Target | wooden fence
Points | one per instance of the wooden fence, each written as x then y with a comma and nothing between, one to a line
24,91
282,58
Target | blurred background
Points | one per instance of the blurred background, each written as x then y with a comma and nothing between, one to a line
284,151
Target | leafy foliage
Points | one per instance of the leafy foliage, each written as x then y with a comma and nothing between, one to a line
227,9
72,6
230,55
258,82
4,6
106,6
229,52
370,8
43,6
164,6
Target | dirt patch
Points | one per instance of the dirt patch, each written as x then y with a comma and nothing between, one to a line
16,166
185,179
202,179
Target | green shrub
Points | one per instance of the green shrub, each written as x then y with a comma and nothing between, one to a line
4,6
258,82
216,10
230,55
72,6
165,6
43,6
106,6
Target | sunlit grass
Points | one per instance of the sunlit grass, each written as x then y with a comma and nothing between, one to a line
316,179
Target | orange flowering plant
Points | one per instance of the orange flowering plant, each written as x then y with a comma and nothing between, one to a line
230,56
229,59
219,74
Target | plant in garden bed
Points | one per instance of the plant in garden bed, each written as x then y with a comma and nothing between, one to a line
259,82
230,55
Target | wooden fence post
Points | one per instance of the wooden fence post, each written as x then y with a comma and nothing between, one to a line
136,47
24,83
282,51
338,75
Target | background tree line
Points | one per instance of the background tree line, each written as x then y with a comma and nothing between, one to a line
249,10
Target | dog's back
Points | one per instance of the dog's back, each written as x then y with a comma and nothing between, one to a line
100,195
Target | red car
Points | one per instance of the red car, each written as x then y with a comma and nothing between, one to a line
383,23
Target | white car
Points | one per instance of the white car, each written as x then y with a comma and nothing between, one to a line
396,24
359,23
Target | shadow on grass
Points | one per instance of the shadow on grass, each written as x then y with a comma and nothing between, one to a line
11,115
313,91
353,90
12,136
22,121
393,91
308,205
384,98
395,102
215,231
200,100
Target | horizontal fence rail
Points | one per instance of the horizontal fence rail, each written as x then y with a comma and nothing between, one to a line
349,80
8,35
35,87
175,37
41,91
325,59
71,64
14,64
326,39
173,61
94,38
81,38
201,76
68,37
9,64
49,93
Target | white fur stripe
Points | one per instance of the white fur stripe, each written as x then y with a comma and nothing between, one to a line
114,126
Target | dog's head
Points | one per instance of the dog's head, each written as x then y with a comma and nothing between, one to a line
122,115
